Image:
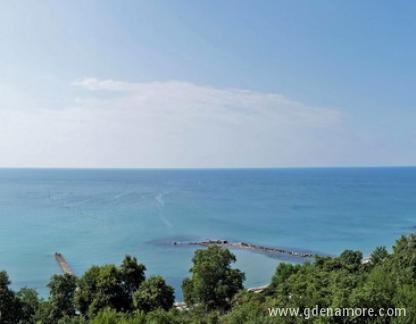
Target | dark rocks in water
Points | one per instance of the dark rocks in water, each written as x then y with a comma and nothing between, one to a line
249,246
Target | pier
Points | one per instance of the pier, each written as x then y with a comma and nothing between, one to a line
63,264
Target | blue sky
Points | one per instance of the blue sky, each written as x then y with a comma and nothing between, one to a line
207,83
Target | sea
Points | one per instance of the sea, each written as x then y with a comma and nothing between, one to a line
97,216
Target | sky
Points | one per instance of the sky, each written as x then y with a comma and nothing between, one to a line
206,84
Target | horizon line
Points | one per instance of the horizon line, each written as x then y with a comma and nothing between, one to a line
209,168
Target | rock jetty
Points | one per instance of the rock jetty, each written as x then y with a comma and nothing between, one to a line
63,264
249,246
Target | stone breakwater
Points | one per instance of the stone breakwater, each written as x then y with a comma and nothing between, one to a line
249,246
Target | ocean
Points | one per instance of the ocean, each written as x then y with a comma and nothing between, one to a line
96,217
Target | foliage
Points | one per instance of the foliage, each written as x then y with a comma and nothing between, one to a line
213,283
62,289
29,302
10,306
109,287
99,288
351,260
379,255
132,274
154,293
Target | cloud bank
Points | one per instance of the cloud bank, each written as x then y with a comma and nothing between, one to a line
168,124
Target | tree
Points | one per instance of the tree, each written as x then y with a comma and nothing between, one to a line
61,296
379,255
99,288
132,275
109,287
160,316
405,298
282,274
107,316
213,282
376,292
154,293
110,316
249,307
10,307
30,303
404,255
351,259
43,313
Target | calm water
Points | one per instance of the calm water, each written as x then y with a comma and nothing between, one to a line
98,216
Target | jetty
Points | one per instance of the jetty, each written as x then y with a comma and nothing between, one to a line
251,247
63,264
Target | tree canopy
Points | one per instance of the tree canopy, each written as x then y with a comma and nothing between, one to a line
213,282
154,293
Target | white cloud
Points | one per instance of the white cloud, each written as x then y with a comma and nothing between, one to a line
186,97
111,85
168,124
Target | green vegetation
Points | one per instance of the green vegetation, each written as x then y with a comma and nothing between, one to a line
214,293
154,293
213,282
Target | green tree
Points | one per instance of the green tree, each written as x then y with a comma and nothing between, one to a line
107,316
10,306
405,298
100,288
377,291
351,260
132,273
160,316
213,282
109,286
379,255
154,293
30,303
249,307
43,313
61,296
404,257
282,274
110,316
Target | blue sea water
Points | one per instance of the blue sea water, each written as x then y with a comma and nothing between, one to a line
98,216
